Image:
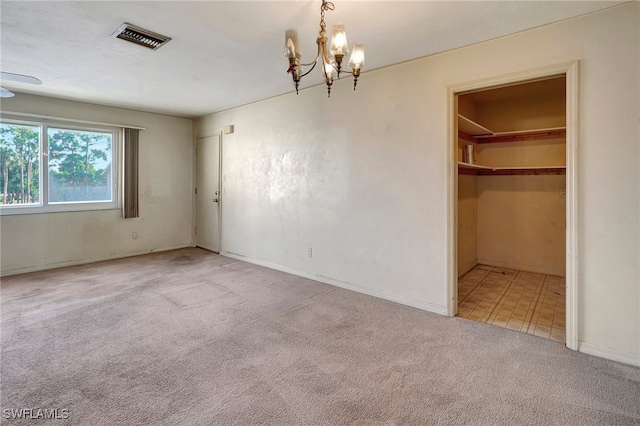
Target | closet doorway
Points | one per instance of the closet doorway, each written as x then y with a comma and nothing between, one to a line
513,216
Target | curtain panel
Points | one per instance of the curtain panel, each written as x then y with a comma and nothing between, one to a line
130,196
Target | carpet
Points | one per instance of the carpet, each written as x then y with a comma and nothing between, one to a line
187,337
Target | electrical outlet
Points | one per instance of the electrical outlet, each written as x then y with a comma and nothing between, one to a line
134,235
309,252
563,192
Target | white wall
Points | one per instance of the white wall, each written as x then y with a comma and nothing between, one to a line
40,241
362,177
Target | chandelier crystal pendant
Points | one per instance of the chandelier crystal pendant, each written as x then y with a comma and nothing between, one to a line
331,56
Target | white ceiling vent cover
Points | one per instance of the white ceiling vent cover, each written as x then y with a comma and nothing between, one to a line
141,36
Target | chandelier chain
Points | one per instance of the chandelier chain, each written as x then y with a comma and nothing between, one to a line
326,5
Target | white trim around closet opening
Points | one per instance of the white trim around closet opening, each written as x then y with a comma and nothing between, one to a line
570,69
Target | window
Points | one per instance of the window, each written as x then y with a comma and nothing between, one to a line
56,168
20,164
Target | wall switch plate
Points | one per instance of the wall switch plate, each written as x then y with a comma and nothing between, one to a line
134,235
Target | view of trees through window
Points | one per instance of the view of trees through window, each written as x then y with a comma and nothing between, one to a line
20,164
79,165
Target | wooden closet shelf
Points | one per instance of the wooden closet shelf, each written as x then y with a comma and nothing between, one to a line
471,131
471,127
475,169
524,135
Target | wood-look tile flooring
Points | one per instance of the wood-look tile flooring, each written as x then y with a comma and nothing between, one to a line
522,301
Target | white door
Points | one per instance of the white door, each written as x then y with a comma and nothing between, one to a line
208,193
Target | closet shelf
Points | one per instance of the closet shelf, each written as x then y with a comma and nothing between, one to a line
481,134
473,166
523,132
471,127
514,170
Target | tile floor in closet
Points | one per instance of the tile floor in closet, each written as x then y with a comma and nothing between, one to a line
523,301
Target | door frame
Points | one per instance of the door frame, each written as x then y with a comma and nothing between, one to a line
219,203
570,70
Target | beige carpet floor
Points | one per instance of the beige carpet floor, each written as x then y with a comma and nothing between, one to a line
192,338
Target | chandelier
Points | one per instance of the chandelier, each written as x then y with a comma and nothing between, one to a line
331,58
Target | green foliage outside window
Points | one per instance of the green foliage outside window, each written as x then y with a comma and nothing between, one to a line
79,165
19,164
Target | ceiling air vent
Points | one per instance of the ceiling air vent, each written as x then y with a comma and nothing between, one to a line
141,36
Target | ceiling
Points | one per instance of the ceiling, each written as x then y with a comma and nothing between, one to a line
229,53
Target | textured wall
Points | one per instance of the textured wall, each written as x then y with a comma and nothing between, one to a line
362,177
41,241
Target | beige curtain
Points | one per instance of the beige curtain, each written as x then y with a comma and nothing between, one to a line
130,202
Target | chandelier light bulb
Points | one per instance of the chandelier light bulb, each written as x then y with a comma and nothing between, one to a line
339,45
356,62
328,72
291,46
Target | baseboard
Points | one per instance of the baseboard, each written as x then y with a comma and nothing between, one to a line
414,303
520,267
54,265
609,353
469,267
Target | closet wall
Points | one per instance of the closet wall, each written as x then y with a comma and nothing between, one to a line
511,205
467,223
521,223
467,198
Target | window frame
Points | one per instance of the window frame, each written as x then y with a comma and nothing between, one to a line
44,206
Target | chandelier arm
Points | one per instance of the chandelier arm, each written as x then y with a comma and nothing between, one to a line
315,61
342,70
310,63
310,69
